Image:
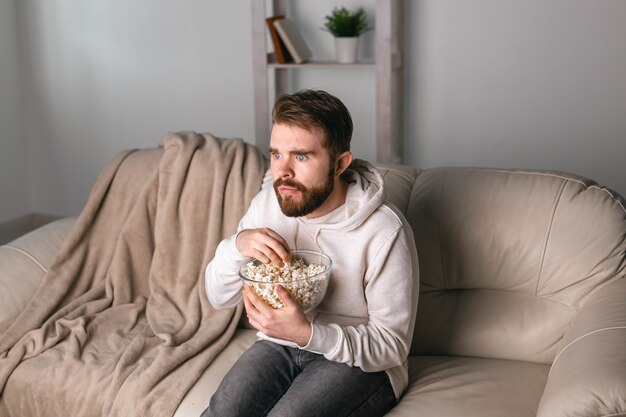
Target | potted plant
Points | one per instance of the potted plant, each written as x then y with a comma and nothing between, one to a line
346,27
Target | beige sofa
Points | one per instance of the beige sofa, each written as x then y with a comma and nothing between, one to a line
522,309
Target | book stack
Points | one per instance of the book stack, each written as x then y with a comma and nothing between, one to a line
289,45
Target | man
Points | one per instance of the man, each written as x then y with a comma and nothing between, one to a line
348,357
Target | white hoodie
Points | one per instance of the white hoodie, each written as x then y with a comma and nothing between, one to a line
368,314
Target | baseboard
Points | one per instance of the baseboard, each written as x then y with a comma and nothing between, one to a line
12,229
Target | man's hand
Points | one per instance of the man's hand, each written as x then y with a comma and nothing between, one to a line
287,323
264,245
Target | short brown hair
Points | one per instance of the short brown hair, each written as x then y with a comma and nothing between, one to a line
309,109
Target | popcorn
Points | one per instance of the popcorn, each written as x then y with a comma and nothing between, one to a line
292,276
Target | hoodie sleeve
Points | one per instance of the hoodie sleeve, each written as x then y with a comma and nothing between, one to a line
222,283
221,277
391,290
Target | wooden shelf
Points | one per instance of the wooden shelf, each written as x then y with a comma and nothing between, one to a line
388,65
322,64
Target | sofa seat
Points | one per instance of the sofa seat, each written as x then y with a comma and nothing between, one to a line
438,385
198,396
445,385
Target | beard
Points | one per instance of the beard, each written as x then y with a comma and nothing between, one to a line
312,197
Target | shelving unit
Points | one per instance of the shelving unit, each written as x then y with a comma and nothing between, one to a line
388,66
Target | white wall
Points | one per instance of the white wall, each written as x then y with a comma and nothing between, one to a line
102,76
528,84
14,183
507,83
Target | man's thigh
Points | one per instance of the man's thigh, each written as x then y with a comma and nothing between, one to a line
255,382
326,388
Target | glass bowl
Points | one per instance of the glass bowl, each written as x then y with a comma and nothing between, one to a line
306,281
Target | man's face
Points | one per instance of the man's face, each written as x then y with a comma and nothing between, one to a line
303,175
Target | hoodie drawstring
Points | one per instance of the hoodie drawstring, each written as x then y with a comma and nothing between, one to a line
317,234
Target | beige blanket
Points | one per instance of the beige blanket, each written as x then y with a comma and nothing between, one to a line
121,325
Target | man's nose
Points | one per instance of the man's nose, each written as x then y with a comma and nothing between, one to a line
284,168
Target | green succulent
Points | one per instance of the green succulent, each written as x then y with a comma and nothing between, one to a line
342,23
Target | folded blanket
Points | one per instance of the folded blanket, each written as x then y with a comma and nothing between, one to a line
120,325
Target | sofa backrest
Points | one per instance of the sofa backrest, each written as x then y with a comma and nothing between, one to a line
507,258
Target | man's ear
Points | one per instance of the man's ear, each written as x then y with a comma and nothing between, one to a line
343,162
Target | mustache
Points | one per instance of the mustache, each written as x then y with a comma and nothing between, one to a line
289,183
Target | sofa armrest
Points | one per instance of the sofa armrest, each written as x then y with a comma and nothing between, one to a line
588,375
24,262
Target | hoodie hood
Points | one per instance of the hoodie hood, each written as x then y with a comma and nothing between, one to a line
366,193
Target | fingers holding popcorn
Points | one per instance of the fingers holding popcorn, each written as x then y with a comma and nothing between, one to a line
264,245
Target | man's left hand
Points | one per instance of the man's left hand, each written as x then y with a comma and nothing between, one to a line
287,323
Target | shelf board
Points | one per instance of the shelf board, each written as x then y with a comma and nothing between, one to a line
323,64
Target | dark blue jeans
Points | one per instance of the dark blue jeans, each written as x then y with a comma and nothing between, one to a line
274,380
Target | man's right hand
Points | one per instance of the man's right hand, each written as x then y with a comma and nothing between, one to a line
264,245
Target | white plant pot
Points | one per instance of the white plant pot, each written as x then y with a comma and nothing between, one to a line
346,49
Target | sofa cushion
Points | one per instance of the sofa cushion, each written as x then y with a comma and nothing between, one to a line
484,322
399,181
471,387
514,253
24,263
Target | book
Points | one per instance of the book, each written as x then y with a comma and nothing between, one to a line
289,33
280,49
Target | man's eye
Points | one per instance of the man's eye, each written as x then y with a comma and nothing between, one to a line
301,157
276,155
